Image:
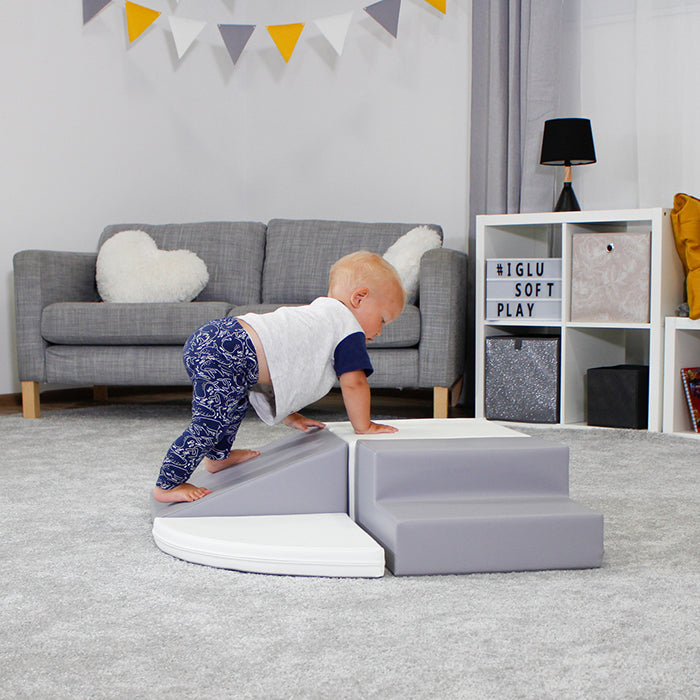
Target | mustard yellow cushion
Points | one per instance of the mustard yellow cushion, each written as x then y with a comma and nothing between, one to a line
685,218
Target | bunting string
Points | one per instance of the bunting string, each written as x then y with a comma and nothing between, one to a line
235,37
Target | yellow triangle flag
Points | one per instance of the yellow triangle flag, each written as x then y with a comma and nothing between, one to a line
138,19
438,5
285,37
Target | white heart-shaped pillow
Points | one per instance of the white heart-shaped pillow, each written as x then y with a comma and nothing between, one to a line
131,268
405,255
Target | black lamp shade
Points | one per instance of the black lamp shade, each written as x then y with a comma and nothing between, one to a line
567,142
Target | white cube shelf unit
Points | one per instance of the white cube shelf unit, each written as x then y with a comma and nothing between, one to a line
591,343
682,350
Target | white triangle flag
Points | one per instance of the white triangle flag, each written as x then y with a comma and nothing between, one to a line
185,31
335,29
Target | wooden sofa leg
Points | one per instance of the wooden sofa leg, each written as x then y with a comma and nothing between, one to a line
31,407
441,402
444,398
99,393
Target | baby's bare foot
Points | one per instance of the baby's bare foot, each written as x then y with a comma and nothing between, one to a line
234,458
182,492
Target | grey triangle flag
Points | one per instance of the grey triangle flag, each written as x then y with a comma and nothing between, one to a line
386,12
235,37
92,7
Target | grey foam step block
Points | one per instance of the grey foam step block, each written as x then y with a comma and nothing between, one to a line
303,473
467,536
487,466
507,510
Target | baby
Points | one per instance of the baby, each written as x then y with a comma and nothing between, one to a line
280,362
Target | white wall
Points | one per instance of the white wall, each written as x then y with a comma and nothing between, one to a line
639,64
95,131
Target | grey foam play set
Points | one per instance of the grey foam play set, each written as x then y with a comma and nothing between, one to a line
473,505
436,506
304,473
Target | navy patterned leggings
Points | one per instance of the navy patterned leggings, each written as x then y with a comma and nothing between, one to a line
221,362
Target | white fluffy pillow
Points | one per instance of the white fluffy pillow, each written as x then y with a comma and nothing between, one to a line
131,268
405,255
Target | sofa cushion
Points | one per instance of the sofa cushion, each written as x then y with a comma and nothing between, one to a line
85,323
233,252
150,365
299,254
404,332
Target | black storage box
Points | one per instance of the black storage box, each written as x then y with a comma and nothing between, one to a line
618,396
521,381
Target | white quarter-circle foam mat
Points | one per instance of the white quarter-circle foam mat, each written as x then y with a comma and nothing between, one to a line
314,544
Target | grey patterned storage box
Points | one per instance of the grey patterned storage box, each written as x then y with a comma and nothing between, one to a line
522,379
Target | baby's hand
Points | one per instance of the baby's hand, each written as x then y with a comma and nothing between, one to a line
297,421
377,428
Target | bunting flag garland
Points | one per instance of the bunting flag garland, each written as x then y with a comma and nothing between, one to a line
335,29
92,7
386,12
235,38
285,37
440,5
139,19
185,31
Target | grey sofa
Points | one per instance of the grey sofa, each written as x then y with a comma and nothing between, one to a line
66,335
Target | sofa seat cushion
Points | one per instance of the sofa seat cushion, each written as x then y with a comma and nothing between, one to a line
96,323
404,332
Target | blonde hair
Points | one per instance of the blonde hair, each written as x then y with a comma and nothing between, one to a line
364,268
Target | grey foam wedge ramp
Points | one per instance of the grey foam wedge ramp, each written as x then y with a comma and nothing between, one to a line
303,473
284,512
474,505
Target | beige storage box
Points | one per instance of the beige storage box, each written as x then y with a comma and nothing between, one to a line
610,277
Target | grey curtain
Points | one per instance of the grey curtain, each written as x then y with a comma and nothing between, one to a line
515,88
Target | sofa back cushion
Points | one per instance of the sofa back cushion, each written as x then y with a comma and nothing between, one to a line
233,251
299,254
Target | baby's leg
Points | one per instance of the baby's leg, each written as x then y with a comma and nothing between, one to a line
179,463
222,365
224,456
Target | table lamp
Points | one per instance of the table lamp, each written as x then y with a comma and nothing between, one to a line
567,142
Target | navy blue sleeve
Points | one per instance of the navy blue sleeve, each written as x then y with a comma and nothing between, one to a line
351,355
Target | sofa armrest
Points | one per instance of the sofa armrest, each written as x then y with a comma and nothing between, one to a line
43,277
443,309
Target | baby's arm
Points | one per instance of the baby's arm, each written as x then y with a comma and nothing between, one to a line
357,398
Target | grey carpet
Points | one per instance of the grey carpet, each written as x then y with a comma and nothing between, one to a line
90,608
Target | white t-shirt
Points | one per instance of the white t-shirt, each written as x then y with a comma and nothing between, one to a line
307,348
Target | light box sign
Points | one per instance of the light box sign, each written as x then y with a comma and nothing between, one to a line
519,289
